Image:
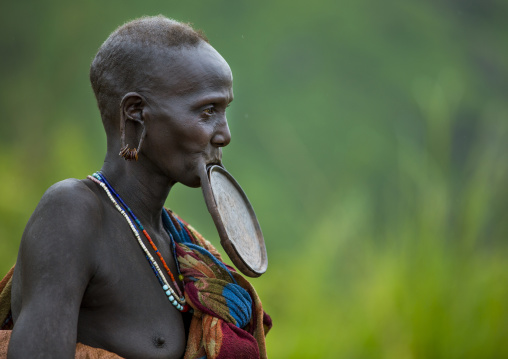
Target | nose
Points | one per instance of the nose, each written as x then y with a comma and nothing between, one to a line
222,136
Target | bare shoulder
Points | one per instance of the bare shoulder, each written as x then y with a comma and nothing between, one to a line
69,189
69,206
61,231
69,195
55,264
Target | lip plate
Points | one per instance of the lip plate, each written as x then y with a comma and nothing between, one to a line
235,220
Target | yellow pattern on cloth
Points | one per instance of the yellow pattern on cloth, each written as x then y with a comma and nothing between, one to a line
212,333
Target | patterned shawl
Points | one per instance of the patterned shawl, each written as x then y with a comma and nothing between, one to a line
228,319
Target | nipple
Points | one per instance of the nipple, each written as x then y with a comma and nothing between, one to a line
159,342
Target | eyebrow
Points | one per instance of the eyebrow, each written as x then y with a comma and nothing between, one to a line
214,99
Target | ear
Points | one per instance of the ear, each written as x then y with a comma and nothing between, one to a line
132,108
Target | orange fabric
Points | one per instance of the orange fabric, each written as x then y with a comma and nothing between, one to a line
5,335
85,352
82,351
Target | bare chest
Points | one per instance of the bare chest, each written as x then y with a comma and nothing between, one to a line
124,308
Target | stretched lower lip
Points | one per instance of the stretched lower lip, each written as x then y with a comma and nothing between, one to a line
214,163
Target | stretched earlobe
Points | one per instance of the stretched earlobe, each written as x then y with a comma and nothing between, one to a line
131,109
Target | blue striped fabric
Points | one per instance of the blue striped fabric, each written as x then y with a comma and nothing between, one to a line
239,303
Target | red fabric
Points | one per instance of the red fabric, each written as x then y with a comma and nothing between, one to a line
237,343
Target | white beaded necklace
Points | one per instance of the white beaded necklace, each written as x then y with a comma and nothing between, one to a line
178,302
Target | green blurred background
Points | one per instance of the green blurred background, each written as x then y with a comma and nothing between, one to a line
371,138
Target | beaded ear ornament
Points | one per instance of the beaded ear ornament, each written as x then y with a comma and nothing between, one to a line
127,153
176,298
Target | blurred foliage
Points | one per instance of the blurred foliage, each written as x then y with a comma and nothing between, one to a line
371,138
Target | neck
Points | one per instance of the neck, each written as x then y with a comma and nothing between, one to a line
142,189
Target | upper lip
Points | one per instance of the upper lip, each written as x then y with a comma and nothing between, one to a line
214,161
213,157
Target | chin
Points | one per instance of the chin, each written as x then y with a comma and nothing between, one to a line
193,183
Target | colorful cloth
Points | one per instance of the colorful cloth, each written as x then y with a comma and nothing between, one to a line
228,319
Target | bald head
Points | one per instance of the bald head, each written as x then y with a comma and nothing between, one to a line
126,60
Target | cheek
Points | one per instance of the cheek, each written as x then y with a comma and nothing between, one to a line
197,138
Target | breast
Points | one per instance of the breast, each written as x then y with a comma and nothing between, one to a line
125,310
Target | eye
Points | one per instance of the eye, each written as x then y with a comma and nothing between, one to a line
209,111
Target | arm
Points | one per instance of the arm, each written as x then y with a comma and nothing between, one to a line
56,261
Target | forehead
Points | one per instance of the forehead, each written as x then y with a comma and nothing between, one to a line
194,69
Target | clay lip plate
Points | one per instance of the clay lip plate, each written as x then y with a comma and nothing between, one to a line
236,222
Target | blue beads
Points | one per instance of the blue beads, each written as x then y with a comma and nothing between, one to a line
126,212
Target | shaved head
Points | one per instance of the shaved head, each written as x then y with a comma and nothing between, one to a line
126,60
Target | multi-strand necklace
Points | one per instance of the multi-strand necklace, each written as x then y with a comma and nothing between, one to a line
176,298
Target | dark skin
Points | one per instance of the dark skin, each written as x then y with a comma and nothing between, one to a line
81,275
